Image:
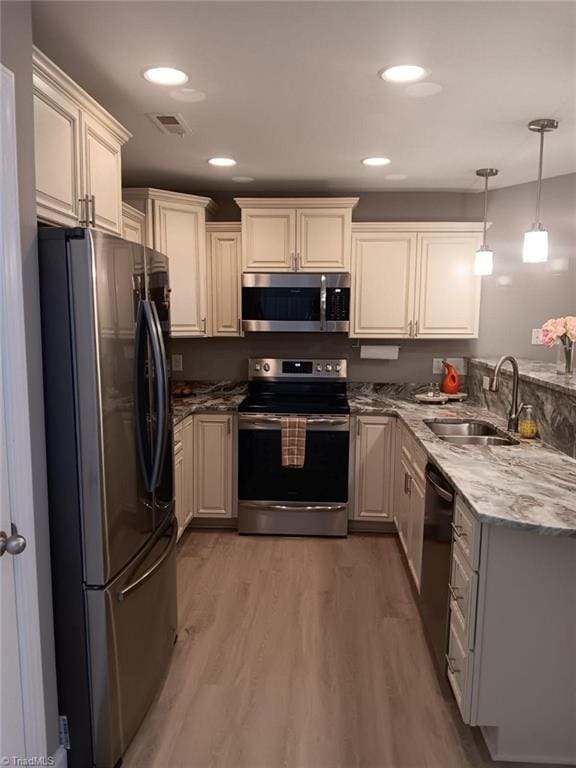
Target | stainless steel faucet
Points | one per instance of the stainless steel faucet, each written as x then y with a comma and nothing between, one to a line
515,408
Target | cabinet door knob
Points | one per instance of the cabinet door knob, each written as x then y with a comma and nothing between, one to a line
14,544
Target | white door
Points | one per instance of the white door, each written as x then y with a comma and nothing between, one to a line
101,153
179,232
324,239
57,154
213,465
22,691
383,283
268,239
448,290
179,500
374,468
225,289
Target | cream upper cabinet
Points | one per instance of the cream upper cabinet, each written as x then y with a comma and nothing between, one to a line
415,280
133,225
383,283
223,243
213,470
324,239
296,234
448,290
268,240
57,153
374,475
178,230
77,152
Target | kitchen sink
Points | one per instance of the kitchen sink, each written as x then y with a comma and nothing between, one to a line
470,433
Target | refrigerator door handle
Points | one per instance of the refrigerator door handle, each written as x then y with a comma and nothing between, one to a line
124,593
140,427
159,356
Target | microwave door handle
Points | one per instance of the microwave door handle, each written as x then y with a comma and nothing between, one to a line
322,302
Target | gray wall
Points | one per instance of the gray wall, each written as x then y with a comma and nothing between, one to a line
16,54
517,298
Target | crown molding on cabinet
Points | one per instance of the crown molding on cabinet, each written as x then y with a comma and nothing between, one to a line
151,193
418,226
58,78
296,202
223,226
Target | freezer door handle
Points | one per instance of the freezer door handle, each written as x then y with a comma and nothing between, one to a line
124,593
159,357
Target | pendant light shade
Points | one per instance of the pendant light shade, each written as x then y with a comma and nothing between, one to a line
536,239
484,259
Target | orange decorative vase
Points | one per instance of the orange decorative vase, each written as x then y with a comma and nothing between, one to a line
450,382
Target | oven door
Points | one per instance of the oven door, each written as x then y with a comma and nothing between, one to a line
274,499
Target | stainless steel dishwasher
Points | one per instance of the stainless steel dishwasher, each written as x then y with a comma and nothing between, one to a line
436,558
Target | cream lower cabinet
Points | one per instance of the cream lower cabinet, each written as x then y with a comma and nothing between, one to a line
133,224
415,280
373,468
77,153
409,498
176,226
296,234
213,466
184,472
223,248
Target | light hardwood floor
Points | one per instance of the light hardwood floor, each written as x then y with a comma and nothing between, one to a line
299,653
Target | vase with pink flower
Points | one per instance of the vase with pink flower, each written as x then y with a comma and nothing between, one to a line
561,331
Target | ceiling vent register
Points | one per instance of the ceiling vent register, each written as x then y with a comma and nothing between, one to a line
170,124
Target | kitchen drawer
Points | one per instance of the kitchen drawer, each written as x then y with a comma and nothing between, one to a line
463,591
467,532
459,671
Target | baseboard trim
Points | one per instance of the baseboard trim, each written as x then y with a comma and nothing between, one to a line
213,522
366,526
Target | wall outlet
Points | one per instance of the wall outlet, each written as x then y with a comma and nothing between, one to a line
177,363
458,362
486,382
536,336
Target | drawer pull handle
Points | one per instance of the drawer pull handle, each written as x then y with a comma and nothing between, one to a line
453,593
451,667
459,531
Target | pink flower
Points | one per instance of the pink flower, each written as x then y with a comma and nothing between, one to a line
552,330
571,327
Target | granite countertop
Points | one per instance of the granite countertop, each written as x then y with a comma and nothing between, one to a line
221,396
529,486
536,371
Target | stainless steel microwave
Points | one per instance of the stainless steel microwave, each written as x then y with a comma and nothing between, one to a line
299,301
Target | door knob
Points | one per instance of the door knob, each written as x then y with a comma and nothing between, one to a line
14,544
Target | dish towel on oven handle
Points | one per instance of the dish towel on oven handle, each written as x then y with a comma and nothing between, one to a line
293,441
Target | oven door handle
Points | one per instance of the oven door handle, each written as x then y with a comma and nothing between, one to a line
293,507
312,421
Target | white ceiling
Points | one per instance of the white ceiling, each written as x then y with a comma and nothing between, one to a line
292,91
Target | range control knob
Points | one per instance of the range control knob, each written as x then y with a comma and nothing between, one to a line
257,366
328,367
338,368
319,368
266,367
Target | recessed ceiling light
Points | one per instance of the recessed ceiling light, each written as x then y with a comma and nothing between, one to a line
242,179
423,89
396,176
376,161
187,94
166,76
403,73
222,162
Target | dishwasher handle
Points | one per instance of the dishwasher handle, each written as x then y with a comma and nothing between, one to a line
442,492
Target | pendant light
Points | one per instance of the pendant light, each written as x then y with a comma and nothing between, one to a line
536,240
484,259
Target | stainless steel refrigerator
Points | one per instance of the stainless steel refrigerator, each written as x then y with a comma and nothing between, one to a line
105,326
